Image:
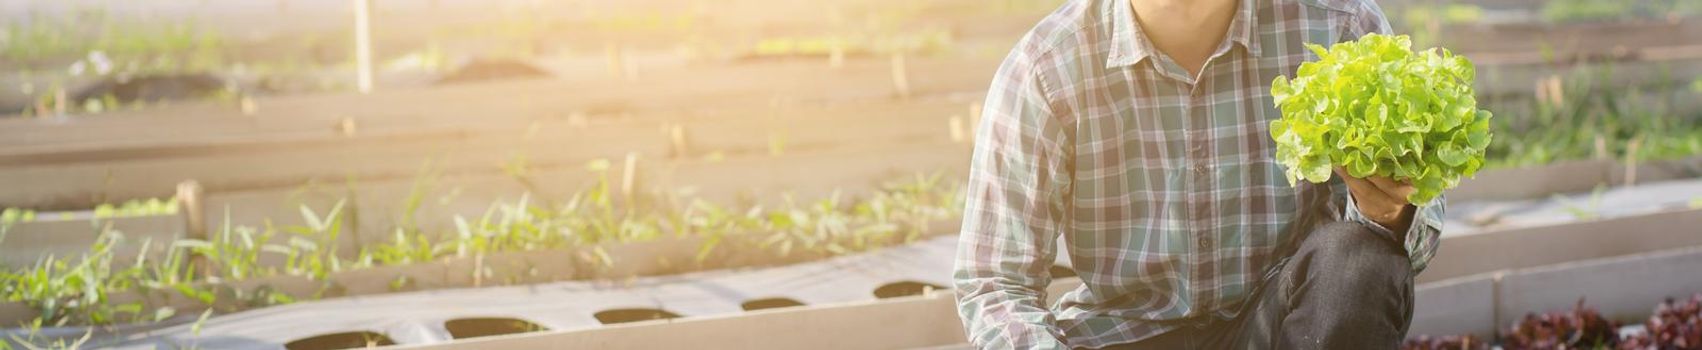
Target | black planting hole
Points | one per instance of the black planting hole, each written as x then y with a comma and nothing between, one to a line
1061,271
345,340
633,315
489,326
904,289
769,303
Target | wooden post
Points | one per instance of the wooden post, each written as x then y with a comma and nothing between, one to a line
247,105
629,179
616,60
956,126
194,214
346,127
1631,161
363,45
1601,148
900,76
836,56
681,146
61,105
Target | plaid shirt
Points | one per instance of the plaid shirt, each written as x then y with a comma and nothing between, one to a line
1165,189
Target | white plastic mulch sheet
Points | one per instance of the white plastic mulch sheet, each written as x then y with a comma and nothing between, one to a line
1605,202
418,317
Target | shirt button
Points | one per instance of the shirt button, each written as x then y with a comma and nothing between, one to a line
1205,243
1200,167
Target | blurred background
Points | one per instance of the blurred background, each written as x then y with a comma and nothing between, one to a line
323,174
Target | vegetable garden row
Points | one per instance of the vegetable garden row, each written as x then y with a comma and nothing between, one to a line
1477,301
968,26
682,168
507,250
1504,307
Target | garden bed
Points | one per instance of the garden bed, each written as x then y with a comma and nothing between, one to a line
1622,288
612,264
1476,304
82,175
492,245
569,305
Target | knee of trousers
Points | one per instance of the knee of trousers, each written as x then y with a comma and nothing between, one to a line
1346,255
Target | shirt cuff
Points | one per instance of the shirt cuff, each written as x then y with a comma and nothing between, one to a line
1425,221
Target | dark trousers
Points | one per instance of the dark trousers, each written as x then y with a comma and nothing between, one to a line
1344,287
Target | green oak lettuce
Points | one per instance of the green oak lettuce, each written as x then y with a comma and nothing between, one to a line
1374,107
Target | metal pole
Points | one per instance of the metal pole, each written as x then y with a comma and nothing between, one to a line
363,45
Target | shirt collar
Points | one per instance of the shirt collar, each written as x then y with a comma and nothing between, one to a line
1129,45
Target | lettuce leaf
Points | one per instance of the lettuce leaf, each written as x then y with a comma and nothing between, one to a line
1374,107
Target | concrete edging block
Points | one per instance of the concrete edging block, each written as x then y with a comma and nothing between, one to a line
920,321
1534,246
1624,288
1457,306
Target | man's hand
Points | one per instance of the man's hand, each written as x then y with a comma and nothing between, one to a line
1381,199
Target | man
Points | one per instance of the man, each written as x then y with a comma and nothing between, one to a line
1137,130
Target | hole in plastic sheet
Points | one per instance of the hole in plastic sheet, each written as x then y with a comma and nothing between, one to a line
633,315
488,326
1061,271
904,289
345,340
769,303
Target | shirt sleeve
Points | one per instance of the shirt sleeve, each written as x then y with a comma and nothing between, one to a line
1421,238
1015,209
1367,18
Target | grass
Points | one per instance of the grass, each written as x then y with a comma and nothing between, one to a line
1590,119
133,44
92,43
1564,11
76,291
130,208
80,290
1416,14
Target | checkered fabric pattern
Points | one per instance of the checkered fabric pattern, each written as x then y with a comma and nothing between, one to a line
1163,185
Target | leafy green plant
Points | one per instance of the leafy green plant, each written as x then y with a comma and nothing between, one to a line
134,208
1374,107
1590,210
14,215
142,44
1591,117
600,214
1585,10
1562,11
64,292
1420,13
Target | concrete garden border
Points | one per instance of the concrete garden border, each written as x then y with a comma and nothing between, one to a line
380,204
82,175
1476,304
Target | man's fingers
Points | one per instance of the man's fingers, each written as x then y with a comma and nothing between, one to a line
1358,184
1391,187
1388,188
